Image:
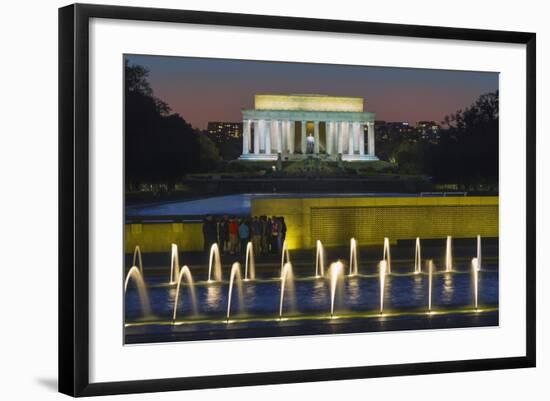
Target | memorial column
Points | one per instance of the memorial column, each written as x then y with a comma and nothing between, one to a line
246,136
267,136
340,136
370,133
283,136
279,135
316,136
328,131
303,139
351,141
361,139
292,136
261,128
256,137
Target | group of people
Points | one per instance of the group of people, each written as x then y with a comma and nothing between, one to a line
232,234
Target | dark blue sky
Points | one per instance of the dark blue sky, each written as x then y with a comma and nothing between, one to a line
203,90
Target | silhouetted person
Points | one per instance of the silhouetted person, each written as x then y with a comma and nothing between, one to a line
264,235
275,235
279,234
244,235
256,231
209,232
268,235
283,229
223,232
233,235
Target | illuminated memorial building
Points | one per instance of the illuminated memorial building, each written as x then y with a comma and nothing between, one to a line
300,126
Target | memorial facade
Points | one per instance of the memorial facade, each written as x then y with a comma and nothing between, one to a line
300,126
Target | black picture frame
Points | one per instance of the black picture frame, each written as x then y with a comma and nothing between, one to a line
74,198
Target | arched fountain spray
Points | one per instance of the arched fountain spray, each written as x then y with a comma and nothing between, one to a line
185,273
215,262
479,252
475,271
449,254
387,256
430,276
235,275
287,282
319,259
285,256
250,265
174,264
353,269
135,274
382,267
137,258
336,272
417,257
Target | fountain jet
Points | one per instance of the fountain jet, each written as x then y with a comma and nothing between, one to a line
174,264
417,257
235,276
475,271
287,281
479,252
215,261
185,273
387,256
285,256
136,276
449,254
430,275
336,271
137,258
383,267
319,259
353,269
249,274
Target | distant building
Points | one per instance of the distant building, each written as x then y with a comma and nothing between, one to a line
428,131
381,130
396,131
402,127
223,129
298,126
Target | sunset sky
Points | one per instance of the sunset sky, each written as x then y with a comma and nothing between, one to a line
203,90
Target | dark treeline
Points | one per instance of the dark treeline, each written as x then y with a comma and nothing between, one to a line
160,146
467,152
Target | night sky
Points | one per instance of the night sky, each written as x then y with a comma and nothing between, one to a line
203,90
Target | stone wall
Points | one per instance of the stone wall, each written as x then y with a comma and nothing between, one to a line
335,220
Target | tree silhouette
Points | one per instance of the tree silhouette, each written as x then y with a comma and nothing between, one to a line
468,153
160,146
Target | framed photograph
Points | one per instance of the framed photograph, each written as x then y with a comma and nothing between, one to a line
251,199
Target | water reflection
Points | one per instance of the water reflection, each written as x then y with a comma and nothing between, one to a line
447,288
170,297
353,291
214,297
402,292
418,287
388,290
319,293
249,294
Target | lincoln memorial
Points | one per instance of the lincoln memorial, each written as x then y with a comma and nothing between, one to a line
299,126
